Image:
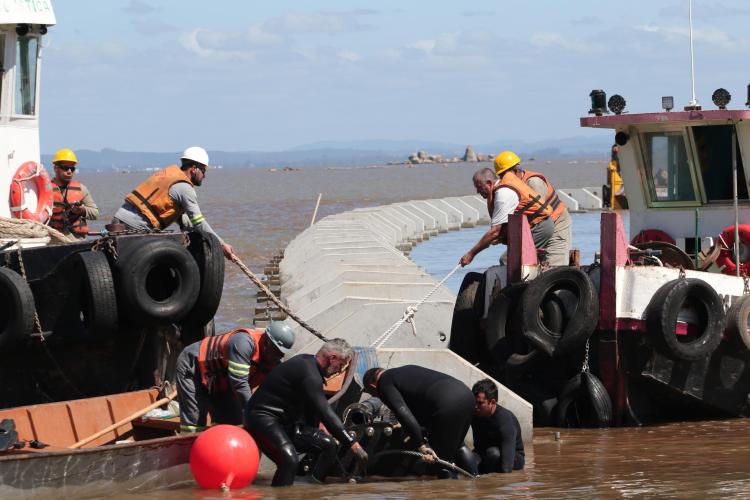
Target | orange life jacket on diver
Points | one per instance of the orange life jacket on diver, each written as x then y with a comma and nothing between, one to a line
62,199
213,362
151,197
558,207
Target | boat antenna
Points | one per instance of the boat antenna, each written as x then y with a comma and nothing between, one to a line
693,102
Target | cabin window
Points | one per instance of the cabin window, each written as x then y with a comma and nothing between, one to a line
667,168
26,58
713,147
2,68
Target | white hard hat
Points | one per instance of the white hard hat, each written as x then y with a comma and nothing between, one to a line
196,154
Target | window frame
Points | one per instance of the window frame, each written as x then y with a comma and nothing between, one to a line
649,190
16,69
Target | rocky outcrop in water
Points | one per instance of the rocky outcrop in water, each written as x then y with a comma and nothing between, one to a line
422,156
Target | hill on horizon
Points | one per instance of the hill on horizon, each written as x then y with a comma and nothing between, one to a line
354,152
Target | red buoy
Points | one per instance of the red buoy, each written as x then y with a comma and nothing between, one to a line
224,456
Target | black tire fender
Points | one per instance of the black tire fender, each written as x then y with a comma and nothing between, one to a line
209,255
502,331
737,322
158,283
18,308
98,301
664,311
583,402
466,314
573,289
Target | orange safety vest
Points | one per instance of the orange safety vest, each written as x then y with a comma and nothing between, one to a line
213,362
62,199
558,207
529,202
151,198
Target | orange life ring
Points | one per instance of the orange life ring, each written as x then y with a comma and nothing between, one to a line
648,235
726,256
31,171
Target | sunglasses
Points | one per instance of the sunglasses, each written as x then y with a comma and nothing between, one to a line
66,167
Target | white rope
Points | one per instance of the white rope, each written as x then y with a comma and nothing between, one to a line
408,316
22,228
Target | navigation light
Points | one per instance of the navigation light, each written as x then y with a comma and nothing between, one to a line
667,102
22,29
621,138
598,102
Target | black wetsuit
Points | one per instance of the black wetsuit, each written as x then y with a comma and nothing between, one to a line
498,442
421,397
293,392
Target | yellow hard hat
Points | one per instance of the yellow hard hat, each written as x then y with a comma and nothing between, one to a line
506,160
65,155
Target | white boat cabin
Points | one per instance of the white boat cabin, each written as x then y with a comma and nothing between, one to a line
677,169
22,26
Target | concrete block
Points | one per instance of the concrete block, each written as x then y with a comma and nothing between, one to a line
431,223
586,197
480,204
470,213
441,216
455,216
569,201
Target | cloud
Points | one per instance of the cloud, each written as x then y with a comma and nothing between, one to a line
586,21
315,22
478,13
553,40
348,55
713,36
138,8
151,27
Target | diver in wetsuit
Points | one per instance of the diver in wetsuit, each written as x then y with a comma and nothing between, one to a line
497,433
290,393
421,397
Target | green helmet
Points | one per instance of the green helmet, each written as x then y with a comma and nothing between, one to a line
281,335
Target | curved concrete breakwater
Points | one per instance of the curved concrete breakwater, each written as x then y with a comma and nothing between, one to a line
348,277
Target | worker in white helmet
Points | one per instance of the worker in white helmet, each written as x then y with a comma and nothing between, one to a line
164,197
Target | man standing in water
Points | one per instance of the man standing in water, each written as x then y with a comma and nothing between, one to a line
293,391
168,194
73,204
506,193
497,434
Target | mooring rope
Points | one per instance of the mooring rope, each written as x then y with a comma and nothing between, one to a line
23,228
409,313
422,456
275,299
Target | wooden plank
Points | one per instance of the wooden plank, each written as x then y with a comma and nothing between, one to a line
90,416
52,424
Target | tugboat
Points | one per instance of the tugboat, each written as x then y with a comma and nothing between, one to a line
101,315
657,328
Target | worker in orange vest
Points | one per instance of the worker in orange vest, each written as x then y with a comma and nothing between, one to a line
506,193
73,204
169,194
217,375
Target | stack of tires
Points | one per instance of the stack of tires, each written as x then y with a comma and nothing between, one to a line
151,281
534,340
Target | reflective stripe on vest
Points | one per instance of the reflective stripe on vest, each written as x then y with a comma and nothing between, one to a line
529,202
214,365
63,198
557,205
152,199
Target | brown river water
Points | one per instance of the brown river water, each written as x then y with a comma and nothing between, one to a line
259,211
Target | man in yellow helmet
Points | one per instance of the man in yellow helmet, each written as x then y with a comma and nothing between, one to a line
73,204
506,193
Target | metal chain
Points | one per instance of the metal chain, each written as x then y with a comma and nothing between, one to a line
585,366
38,327
410,312
106,244
37,323
185,240
682,273
746,280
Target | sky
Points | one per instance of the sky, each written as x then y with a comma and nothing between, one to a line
240,75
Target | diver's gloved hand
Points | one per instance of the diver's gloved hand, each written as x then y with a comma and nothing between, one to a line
428,454
360,454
